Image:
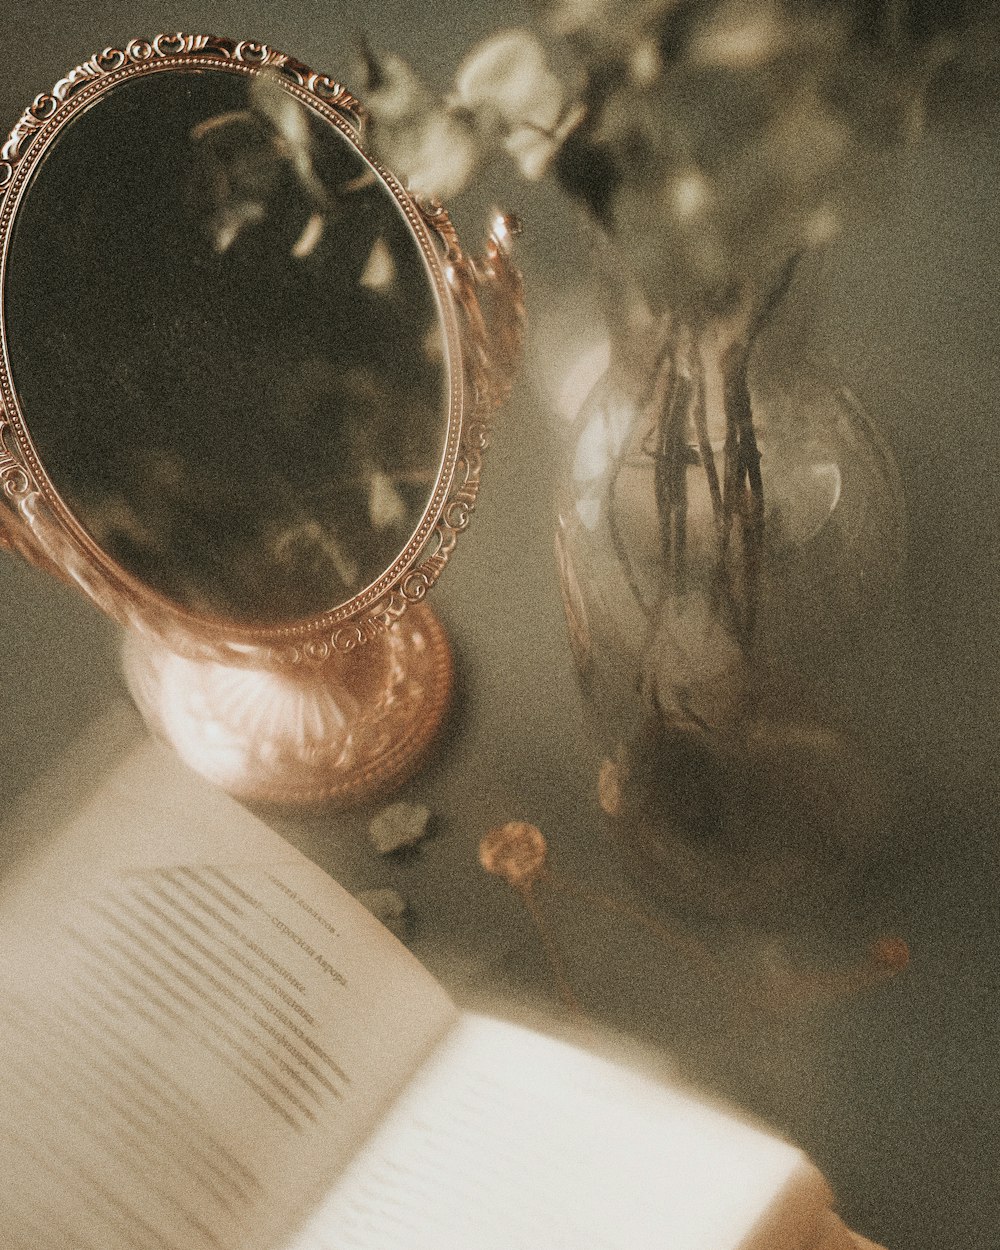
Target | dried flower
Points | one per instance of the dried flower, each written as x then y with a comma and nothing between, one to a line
707,140
506,82
434,151
516,99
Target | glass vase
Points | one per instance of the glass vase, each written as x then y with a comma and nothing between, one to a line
730,536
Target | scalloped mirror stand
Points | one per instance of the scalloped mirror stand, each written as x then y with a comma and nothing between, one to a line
324,730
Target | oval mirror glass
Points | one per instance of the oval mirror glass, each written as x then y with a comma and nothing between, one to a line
228,346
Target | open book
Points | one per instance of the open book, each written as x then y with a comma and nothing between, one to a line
206,1044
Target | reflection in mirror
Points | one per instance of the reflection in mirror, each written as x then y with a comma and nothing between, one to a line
227,347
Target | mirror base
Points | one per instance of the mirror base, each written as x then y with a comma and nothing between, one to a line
342,731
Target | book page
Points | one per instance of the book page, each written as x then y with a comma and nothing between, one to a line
197,1025
509,1140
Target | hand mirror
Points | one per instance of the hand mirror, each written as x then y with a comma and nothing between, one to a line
245,384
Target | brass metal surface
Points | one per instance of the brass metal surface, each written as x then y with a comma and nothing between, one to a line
361,723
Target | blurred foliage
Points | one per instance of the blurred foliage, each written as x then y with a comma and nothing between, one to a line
707,140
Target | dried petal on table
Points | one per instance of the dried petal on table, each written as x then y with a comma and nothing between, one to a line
389,907
398,826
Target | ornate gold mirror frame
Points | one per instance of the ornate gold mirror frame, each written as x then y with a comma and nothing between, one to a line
344,702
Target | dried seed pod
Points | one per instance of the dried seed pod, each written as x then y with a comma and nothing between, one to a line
516,851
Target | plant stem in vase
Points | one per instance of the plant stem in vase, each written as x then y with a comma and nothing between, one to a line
729,536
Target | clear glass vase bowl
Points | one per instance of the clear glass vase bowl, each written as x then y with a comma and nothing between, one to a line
729,544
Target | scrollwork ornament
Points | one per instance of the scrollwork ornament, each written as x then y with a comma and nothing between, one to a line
317,650
416,584
15,479
16,483
348,639
109,60
172,45
478,437
253,53
383,617
436,216
43,107
459,514
20,138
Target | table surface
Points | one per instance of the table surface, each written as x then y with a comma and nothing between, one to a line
896,1094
